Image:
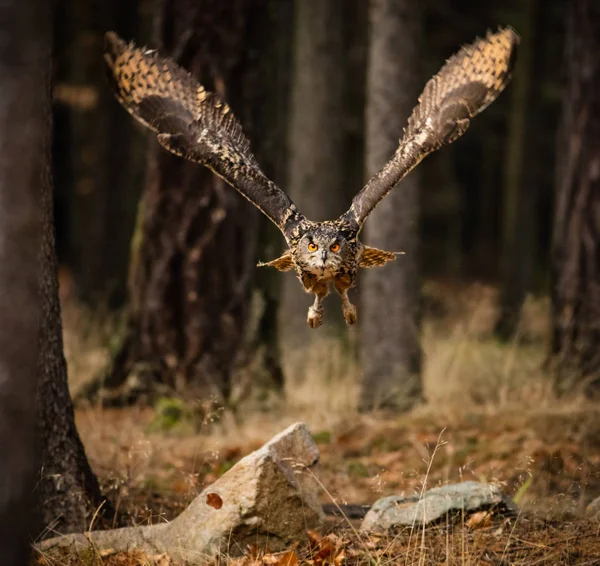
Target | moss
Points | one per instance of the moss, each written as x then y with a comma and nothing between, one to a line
357,469
170,413
322,437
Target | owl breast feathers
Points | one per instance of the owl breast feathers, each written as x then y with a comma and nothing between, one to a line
198,126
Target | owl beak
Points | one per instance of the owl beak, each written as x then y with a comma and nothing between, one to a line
323,255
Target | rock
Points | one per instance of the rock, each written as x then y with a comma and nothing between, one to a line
469,496
593,509
266,498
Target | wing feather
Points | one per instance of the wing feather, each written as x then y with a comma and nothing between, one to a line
192,123
468,82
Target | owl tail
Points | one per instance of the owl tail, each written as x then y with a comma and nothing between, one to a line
372,257
283,263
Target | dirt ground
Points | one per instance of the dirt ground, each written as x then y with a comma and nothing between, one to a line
490,417
548,460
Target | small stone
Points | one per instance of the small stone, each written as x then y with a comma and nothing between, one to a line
397,511
593,509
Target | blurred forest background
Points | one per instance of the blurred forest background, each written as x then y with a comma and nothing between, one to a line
495,305
162,256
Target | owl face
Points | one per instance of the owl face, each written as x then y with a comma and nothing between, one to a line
323,251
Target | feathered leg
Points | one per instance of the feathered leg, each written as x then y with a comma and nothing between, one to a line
342,285
315,312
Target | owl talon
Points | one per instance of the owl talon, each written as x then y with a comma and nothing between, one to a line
315,317
349,314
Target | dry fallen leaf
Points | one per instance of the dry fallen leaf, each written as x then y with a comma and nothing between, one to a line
479,520
288,559
340,558
323,549
214,500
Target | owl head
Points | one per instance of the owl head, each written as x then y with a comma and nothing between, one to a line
323,250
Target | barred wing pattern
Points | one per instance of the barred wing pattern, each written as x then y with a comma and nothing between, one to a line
468,82
192,123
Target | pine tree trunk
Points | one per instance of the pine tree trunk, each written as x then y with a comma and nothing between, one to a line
390,347
67,490
273,26
194,250
576,245
316,169
24,59
520,179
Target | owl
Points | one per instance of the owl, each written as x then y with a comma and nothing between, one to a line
197,125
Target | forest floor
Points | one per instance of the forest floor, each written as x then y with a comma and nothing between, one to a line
490,417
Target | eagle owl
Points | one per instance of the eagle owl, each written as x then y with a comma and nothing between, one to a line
197,125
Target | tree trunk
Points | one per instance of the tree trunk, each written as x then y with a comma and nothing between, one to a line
576,245
24,59
316,168
67,490
520,179
194,250
390,347
102,161
273,26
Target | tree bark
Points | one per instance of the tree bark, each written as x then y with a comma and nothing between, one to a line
316,173
272,27
520,176
24,59
390,345
194,250
576,245
67,490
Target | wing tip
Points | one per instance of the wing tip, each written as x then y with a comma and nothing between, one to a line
514,39
113,46
509,36
509,33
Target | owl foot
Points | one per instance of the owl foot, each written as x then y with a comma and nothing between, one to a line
315,317
349,311
348,308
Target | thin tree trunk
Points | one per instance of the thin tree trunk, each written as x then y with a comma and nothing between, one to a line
576,245
316,168
194,250
520,179
24,58
67,490
273,26
390,346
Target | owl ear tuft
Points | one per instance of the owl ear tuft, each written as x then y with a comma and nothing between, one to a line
372,257
283,263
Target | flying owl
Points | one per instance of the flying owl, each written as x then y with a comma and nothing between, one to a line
197,125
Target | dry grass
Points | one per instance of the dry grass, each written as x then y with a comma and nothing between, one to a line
550,459
463,361
491,402
493,542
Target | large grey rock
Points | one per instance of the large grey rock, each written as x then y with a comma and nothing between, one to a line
266,498
469,496
593,509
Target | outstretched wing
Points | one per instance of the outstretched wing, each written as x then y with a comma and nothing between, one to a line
373,257
192,123
468,82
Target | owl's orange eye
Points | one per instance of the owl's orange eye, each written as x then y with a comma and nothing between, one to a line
335,248
312,247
